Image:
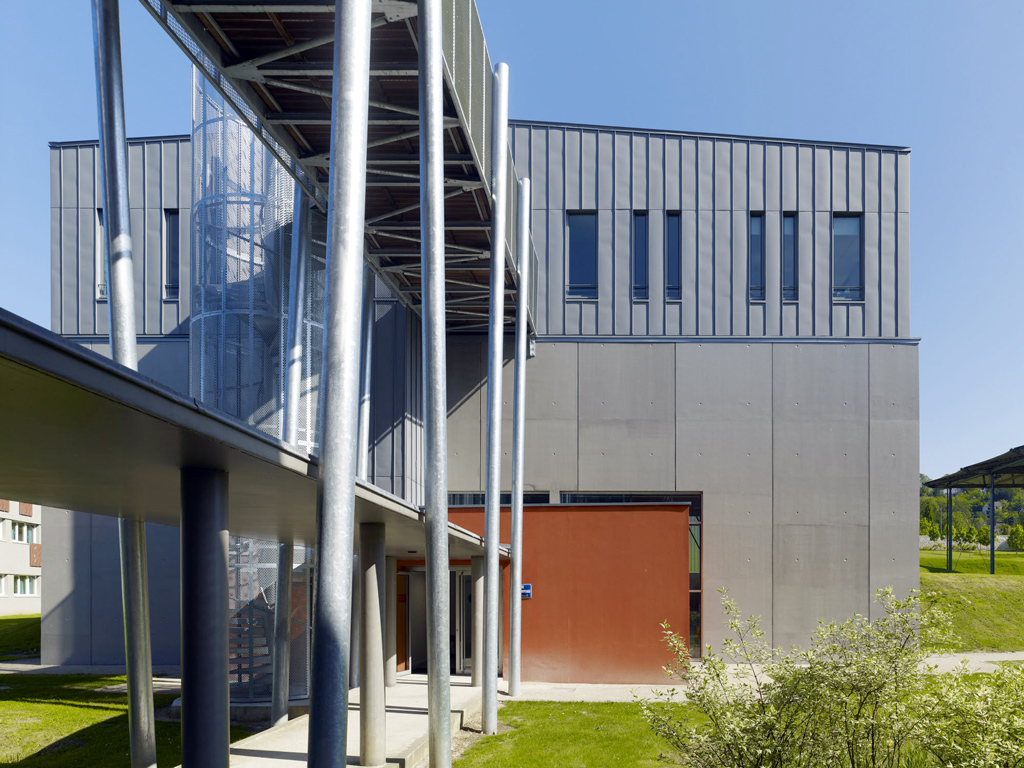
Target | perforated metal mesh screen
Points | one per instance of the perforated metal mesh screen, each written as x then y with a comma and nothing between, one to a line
241,246
252,602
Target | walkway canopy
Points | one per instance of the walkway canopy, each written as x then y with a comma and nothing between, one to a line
81,432
272,61
1003,471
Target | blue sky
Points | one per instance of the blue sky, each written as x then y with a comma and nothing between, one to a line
940,77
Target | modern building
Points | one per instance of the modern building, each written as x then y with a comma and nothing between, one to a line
20,558
722,390
722,337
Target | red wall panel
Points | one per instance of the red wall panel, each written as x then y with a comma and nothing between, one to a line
604,578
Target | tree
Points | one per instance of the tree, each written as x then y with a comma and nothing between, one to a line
1016,540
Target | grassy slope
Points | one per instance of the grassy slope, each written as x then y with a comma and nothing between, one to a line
19,636
49,721
556,734
987,611
1007,563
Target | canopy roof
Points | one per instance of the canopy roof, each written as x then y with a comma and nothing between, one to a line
1007,469
272,61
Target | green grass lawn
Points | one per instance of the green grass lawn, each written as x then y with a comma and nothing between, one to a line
19,637
546,734
987,611
1007,563
51,721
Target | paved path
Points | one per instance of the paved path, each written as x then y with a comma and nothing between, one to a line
580,692
405,724
977,661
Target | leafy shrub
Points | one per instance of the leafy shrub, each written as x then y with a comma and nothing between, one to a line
858,697
1016,538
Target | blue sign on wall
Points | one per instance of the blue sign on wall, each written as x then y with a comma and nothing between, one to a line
527,592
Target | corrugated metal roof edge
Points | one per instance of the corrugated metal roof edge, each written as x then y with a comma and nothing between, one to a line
131,140
696,134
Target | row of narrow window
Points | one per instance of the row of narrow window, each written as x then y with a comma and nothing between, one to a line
172,254
847,256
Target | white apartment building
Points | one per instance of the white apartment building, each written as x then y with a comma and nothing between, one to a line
21,557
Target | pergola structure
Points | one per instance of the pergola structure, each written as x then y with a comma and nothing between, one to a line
1003,471
389,116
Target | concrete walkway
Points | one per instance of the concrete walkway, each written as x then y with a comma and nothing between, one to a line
406,726
977,661
582,691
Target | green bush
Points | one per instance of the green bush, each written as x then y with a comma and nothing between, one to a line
858,697
841,702
1016,539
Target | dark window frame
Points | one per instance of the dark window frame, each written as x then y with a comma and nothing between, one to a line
100,257
172,254
673,261
578,289
640,262
791,292
756,292
851,293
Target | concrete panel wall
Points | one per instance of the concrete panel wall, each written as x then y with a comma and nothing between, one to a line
805,453
715,182
82,619
158,170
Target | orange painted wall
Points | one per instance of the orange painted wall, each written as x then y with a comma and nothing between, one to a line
604,578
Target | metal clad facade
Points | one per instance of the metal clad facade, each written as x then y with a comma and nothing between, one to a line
721,180
158,174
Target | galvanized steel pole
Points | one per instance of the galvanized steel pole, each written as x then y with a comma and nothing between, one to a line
296,314
121,306
205,707
992,524
495,354
290,432
366,377
519,441
391,622
949,529
282,634
435,393
477,610
339,387
372,741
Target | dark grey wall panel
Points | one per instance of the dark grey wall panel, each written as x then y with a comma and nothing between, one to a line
617,172
159,171
67,598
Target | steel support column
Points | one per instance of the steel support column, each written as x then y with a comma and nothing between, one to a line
366,376
495,354
204,618
290,433
949,529
296,313
992,524
391,622
477,608
282,633
518,442
339,388
121,306
356,609
435,393
372,742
